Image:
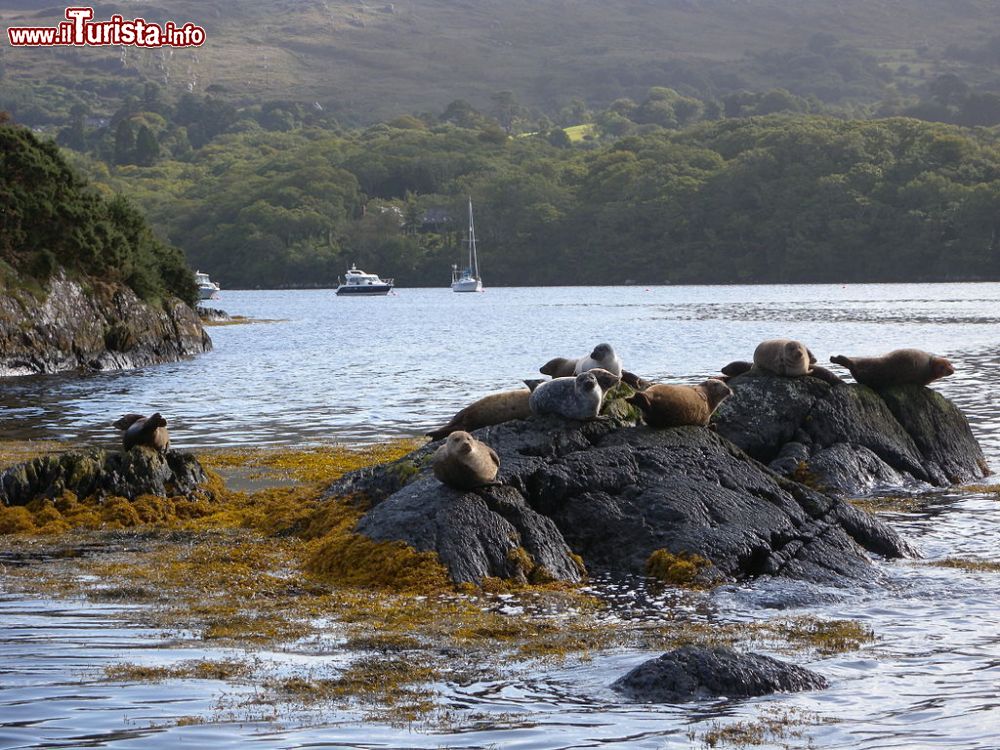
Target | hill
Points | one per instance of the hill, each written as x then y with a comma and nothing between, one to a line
369,61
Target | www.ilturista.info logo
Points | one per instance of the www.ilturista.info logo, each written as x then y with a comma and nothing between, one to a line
79,30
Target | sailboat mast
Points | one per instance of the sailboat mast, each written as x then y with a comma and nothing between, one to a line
473,258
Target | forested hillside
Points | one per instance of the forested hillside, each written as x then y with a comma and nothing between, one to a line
778,198
50,219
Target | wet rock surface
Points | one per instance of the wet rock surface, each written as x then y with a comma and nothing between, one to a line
695,673
849,439
614,493
140,471
97,327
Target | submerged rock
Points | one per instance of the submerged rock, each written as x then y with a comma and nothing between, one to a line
614,493
140,471
695,673
849,439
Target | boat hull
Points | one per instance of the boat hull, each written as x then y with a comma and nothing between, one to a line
375,290
467,285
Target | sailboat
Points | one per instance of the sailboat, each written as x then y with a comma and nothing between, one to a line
467,279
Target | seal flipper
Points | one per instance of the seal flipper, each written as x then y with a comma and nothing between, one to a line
827,376
533,383
840,359
736,368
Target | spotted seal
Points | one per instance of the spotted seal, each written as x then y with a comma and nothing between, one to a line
573,398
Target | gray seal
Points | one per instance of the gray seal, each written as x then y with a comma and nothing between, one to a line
572,398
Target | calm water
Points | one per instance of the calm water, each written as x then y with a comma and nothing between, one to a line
357,370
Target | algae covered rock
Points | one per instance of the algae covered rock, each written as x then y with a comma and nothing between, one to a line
850,439
695,673
140,471
613,493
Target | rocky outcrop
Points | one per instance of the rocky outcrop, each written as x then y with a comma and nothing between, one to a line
140,471
695,673
93,326
849,439
614,493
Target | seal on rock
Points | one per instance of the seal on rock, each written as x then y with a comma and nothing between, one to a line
139,430
572,398
603,356
783,357
489,410
898,367
678,405
465,463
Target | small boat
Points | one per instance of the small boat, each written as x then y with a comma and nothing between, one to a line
467,279
207,289
357,282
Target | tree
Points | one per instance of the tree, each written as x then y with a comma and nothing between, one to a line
124,143
147,148
506,109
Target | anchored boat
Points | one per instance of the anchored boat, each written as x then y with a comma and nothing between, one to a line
467,279
357,282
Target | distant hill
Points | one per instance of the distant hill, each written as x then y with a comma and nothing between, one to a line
368,61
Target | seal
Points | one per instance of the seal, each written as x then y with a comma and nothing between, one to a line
898,367
464,463
139,430
678,405
603,356
495,408
572,398
783,357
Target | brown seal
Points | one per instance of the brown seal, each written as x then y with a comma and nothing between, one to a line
784,357
487,411
464,463
898,367
139,430
678,405
603,356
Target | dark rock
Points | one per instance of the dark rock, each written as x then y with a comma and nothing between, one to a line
140,471
614,493
849,439
694,673
97,327
213,315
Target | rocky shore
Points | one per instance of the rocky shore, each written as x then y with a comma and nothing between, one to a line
616,496
93,326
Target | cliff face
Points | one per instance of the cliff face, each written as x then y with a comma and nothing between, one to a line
93,326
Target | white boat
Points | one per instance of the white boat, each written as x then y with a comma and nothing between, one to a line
359,283
467,279
207,289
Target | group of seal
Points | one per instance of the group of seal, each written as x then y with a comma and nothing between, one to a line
577,387
149,431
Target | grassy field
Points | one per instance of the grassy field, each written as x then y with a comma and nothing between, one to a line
374,60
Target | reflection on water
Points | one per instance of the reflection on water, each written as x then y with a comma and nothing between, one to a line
336,369
364,369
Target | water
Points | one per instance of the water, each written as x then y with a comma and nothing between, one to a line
355,370
359,370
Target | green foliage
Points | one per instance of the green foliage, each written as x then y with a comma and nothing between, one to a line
781,198
50,219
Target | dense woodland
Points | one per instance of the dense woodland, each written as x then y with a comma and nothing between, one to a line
50,220
783,198
814,160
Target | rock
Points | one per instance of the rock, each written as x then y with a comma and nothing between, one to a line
615,493
694,673
140,471
213,315
100,327
849,439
